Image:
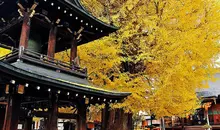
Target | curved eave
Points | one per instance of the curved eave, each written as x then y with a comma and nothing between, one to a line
86,14
10,7
10,70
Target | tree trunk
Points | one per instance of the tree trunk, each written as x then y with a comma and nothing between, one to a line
162,124
117,120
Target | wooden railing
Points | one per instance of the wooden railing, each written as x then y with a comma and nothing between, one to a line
10,56
43,60
50,60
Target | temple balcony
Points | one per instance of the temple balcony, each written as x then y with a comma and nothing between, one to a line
43,61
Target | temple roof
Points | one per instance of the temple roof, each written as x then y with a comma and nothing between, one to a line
71,13
47,77
31,68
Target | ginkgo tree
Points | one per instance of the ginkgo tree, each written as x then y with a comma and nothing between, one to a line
163,52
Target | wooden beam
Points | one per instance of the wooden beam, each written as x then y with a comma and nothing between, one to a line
73,51
60,115
81,119
25,31
52,41
3,103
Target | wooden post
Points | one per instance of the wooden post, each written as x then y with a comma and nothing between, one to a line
73,52
5,120
2,113
28,123
25,31
52,41
81,119
12,112
53,114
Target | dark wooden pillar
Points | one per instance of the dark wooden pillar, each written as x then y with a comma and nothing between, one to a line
2,115
81,119
52,41
5,117
25,31
53,114
12,112
73,52
28,123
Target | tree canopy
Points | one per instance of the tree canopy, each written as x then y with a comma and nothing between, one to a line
163,52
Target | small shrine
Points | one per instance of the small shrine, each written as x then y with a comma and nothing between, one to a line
31,78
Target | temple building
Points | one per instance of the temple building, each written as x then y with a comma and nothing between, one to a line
30,77
207,114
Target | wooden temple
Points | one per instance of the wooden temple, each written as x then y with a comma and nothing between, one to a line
30,77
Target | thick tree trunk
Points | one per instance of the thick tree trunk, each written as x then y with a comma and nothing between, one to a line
162,124
130,121
116,120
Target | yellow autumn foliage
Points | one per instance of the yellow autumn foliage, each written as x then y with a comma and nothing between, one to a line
163,52
4,51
